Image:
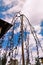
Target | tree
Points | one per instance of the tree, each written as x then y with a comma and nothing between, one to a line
4,60
37,61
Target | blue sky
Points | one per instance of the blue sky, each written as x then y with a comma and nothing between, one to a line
7,10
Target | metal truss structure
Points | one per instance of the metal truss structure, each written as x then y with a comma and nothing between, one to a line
20,38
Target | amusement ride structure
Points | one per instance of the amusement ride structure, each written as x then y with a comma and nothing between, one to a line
22,38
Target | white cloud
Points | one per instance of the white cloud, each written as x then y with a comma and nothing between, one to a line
7,2
17,5
15,1
33,10
37,28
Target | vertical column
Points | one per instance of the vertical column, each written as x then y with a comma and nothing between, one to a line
28,61
23,61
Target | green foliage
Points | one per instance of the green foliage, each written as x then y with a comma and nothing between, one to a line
4,60
37,62
0,61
